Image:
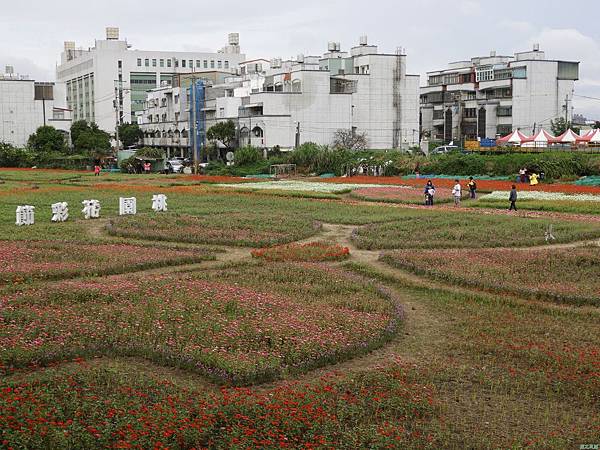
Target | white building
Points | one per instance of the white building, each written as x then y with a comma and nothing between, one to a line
490,96
26,105
285,103
111,69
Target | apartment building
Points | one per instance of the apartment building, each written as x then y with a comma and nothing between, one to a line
26,105
490,96
286,103
112,71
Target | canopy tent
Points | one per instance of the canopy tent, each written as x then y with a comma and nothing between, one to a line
568,137
591,137
541,139
516,137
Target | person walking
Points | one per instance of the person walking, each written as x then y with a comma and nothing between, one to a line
457,193
513,198
97,170
429,193
472,185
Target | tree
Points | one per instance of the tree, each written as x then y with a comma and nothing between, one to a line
93,141
78,127
47,139
89,138
130,134
223,132
11,156
349,140
560,125
596,124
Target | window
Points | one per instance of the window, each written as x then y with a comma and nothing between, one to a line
183,63
212,63
504,111
162,63
168,62
205,64
438,114
191,64
220,64
153,63
176,99
139,62
198,63
175,62
227,64
484,74
120,64
147,62
470,113
221,112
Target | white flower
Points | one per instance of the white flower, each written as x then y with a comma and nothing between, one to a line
307,186
538,195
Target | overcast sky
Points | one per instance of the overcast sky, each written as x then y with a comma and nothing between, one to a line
434,32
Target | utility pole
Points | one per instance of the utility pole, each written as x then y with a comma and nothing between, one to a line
193,124
297,143
44,107
567,109
118,117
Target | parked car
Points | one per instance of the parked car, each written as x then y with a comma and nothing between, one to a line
174,166
445,149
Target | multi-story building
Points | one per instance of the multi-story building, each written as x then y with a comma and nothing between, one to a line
285,103
111,70
490,96
26,105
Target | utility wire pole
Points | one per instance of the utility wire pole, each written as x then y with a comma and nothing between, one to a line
118,117
297,143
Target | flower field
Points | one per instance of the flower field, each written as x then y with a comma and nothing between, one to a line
117,410
312,252
242,229
466,332
401,194
547,196
21,261
229,332
300,186
440,229
570,275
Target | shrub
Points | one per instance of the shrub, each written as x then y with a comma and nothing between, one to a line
247,155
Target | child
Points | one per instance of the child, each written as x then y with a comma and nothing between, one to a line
457,193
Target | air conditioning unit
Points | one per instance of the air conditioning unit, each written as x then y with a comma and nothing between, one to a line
363,40
338,46
331,46
300,58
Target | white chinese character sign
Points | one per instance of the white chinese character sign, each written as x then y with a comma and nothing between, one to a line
25,215
60,212
159,202
91,209
127,206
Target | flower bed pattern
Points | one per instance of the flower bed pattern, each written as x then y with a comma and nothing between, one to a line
25,260
564,275
231,333
246,229
401,194
545,196
87,406
300,186
438,229
312,252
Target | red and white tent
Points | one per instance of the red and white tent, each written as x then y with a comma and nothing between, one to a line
541,139
568,137
516,137
591,137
